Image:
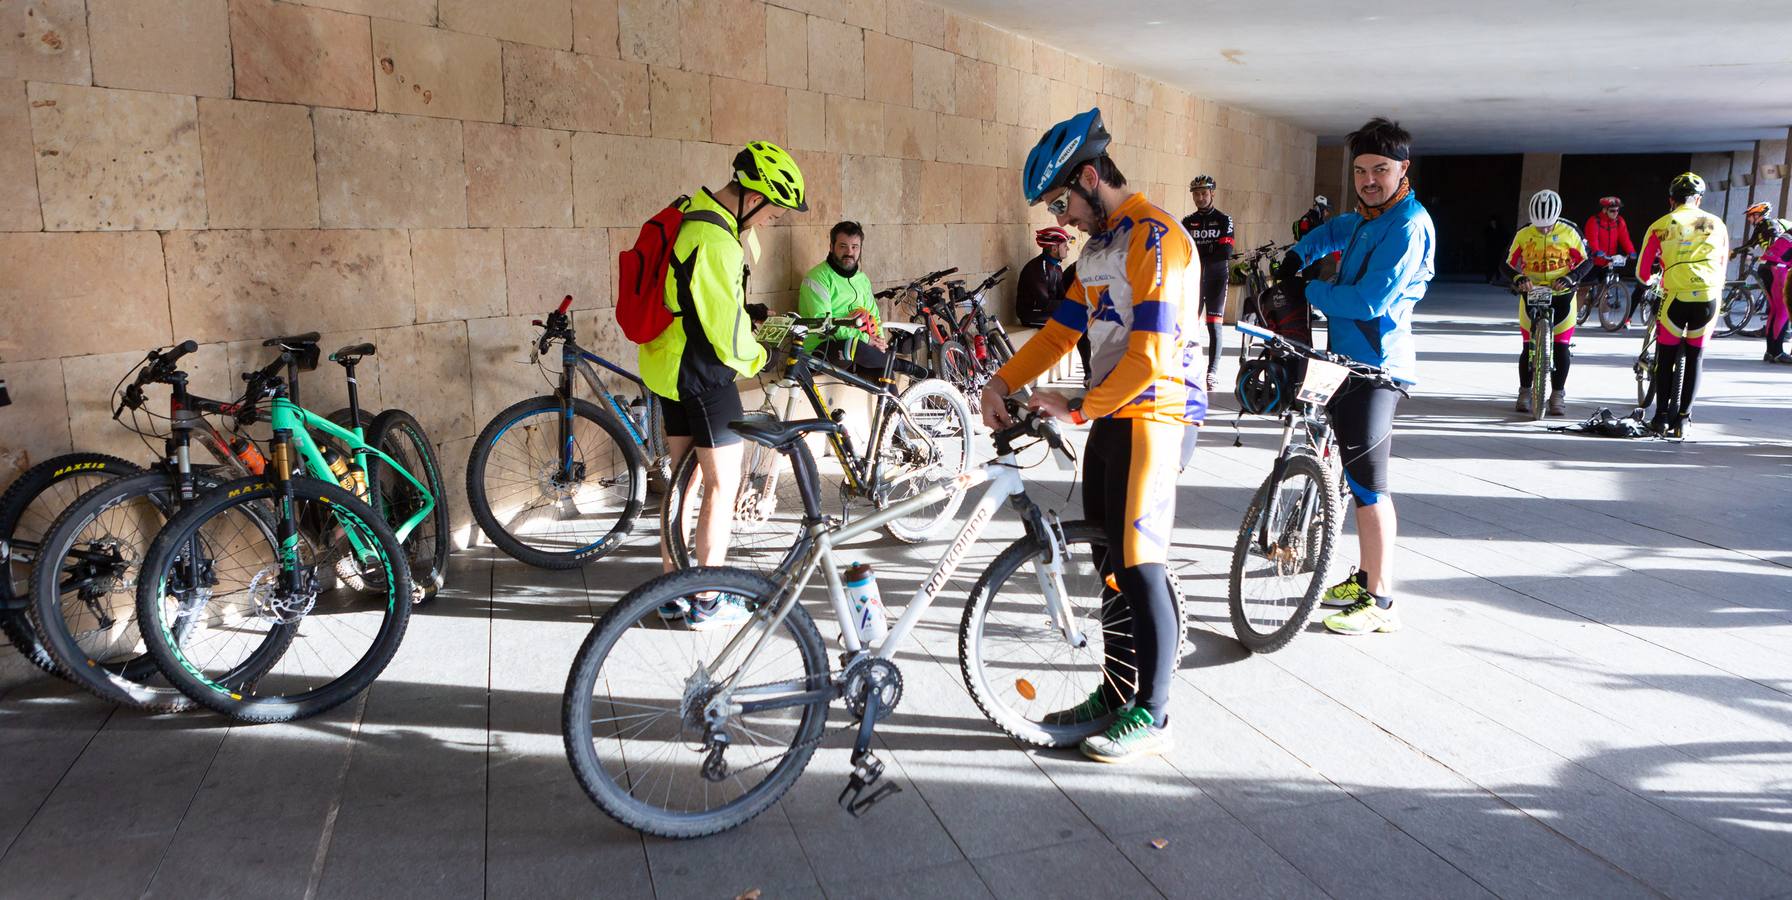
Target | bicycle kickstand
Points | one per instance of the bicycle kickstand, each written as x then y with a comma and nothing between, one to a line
867,769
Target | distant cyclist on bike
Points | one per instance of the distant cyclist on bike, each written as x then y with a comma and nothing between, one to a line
1768,237
836,287
1136,296
1548,252
1691,248
1212,233
1040,284
1390,249
1608,236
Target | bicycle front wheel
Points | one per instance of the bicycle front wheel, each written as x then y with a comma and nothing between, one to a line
1586,306
1542,330
1280,561
550,505
1738,307
931,445
1024,673
397,434
766,515
639,731
84,589
1612,312
216,598
1644,369
28,509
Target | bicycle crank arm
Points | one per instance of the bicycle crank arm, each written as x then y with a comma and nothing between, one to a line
867,769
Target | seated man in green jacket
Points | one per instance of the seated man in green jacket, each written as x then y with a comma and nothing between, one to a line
837,287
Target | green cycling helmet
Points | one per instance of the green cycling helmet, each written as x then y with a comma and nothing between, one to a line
768,168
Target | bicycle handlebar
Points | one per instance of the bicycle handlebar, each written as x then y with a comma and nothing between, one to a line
915,285
157,367
1357,369
1028,423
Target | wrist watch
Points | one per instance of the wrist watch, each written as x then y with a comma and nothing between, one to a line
1076,412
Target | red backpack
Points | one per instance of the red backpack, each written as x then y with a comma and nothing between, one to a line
641,272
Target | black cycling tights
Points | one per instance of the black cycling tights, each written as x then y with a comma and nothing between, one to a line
1667,356
1558,376
1139,622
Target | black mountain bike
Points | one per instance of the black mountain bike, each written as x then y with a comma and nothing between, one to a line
1291,529
557,481
920,438
1744,303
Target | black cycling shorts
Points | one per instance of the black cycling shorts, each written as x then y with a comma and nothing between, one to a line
1213,288
1363,420
704,417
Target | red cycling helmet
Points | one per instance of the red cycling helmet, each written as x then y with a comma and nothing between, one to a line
1610,203
1051,237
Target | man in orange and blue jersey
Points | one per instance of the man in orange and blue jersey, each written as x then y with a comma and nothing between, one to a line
1136,296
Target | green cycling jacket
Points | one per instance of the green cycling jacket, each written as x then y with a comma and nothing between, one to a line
826,292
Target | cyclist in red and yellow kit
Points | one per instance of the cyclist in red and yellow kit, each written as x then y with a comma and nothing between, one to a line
1552,253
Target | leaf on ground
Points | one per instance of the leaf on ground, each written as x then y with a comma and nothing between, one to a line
749,895
1159,844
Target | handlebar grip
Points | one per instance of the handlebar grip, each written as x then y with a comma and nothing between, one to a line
1254,331
565,304
182,349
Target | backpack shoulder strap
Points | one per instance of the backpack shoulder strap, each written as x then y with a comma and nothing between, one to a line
707,216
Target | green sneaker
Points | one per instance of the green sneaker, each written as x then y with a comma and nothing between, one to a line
1087,711
1347,592
1134,734
1363,617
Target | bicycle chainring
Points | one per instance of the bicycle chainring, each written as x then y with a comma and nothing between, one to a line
868,674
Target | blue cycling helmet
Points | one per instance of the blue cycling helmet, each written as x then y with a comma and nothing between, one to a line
1066,145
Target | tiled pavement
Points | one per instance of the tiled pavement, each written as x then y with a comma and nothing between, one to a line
1593,697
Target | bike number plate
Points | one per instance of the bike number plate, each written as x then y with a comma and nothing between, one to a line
773,331
1322,381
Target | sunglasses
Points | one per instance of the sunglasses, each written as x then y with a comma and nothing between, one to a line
1060,206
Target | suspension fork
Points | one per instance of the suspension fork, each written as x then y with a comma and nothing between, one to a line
1276,471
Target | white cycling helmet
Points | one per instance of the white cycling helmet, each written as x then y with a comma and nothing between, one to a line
1546,208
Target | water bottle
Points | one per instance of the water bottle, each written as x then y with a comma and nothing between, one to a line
250,455
638,409
868,615
349,475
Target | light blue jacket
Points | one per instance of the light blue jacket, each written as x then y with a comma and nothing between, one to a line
1387,262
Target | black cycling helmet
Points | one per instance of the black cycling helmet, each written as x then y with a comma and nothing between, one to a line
1686,184
1264,387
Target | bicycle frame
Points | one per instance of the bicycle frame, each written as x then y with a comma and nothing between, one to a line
574,358
1005,483
288,416
864,475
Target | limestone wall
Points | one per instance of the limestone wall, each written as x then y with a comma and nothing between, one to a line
430,174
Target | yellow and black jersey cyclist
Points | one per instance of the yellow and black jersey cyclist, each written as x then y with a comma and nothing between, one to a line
1548,252
1691,248
1136,297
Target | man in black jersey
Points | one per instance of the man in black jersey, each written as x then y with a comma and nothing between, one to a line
1212,232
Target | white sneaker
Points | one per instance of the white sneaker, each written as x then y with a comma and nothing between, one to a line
1558,404
1524,402
725,612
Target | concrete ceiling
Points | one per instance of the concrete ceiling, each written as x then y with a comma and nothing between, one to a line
1465,76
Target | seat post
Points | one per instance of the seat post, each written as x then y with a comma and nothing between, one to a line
354,395
292,376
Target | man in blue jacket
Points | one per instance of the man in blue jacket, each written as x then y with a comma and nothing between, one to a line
1389,247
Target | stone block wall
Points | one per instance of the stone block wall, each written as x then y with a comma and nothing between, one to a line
431,174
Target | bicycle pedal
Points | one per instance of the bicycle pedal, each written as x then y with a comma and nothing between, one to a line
866,773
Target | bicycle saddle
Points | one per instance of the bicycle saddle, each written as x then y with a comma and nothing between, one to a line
777,433
295,342
910,327
352,354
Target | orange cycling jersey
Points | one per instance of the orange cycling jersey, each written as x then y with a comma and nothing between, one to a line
1693,249
1543,256
1136,294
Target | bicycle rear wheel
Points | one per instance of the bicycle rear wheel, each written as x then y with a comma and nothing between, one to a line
531,507
634,713
1644,369
931,445
1585,308
1738,308
767,512
397,434
28,509
327,646
1022,672
1279,565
